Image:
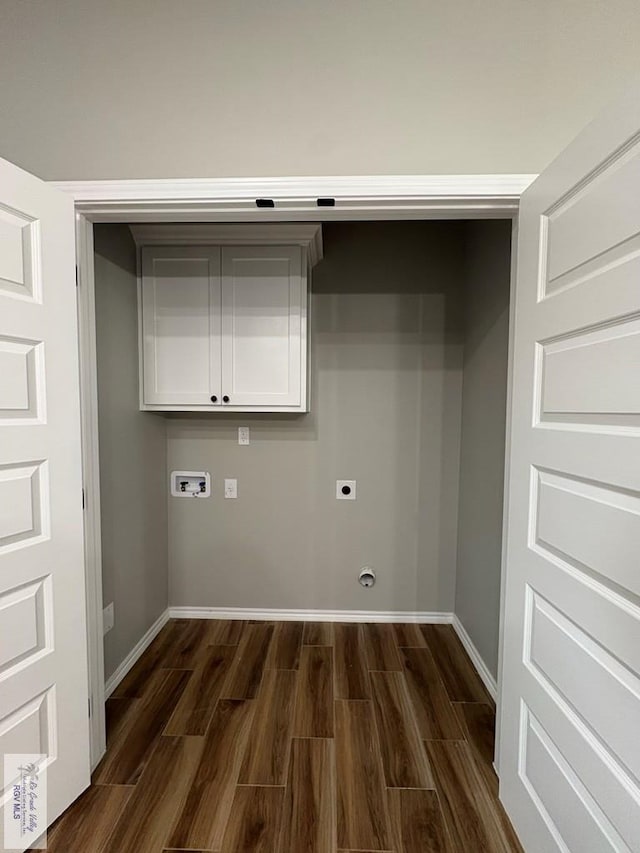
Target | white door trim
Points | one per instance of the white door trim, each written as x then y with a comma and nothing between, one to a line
507,471
91,483
379,197
360,197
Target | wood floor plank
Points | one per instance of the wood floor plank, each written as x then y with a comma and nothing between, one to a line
185,653
434,712
203,818
380,647
361,807
146,822
195,707
323,762
460,679
417,824
471,814
225,632
404,761
285,646
317,634
313,715
478,721
478,724
351,676
125,761
89,822
267,753
135,681
117,710
309,818
245,675
254,822
409,636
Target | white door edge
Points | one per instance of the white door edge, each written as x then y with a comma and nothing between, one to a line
91,483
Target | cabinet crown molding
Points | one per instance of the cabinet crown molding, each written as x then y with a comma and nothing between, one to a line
307,235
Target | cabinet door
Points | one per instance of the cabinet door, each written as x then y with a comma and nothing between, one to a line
181,326
264,302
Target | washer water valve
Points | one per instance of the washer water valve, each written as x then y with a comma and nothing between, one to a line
190,484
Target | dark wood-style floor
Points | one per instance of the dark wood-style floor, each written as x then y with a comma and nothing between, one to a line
296,738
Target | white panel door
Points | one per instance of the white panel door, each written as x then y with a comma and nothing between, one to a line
570,701
181,326
263,322
43,664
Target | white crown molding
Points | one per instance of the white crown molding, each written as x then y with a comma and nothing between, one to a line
435,617
136,652
481,668
359,186
304,234
234,199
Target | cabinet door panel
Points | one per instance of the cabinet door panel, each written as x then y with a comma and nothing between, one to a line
181,325
263,326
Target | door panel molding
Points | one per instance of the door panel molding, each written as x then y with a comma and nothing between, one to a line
572,599
43,664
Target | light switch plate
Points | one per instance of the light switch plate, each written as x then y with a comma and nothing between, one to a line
346,490
231,488
244,435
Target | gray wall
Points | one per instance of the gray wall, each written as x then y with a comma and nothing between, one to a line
386,382
484,391
132,456
409,332
135,88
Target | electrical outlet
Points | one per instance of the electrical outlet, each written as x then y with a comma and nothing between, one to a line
244,435
107,618
345,490
231,488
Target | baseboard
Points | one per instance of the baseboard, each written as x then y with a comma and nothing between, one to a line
436,617
260,613
136,652
487,679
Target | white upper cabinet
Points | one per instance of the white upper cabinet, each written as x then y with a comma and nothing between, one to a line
180,301
264,313
223,316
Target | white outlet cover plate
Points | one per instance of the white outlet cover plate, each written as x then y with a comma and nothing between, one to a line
107,618
351,484
244,435
231,488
